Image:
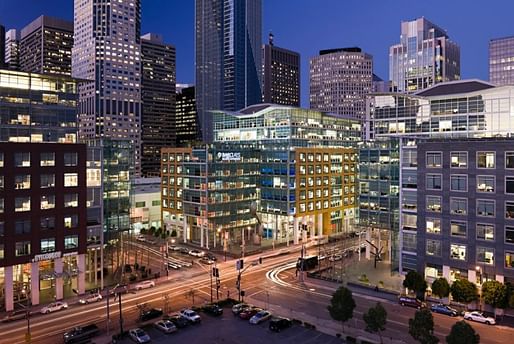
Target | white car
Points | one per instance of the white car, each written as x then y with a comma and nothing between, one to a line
144,285
190,315
479,317
141,238
260,317
139,336
91,298
335,257
165,326
196,253
54,307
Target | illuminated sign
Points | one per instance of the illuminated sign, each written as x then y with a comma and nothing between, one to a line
232,156
47,256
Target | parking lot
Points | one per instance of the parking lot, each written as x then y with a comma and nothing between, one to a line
230,329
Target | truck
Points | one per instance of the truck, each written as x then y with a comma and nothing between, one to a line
307,263
80,334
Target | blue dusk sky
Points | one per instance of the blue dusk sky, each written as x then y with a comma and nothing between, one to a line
308,26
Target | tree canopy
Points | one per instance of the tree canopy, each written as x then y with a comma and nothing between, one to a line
342,305
462,333
464,291
375,319
421,328
441,287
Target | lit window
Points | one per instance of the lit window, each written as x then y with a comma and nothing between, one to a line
47,202
71,221
22,248
71,200
509,160
433,204
22,204
47,245
433,226
485,183
70,179
459,159
433,248
509,210
485,231
22,181
47,181
434,159
458,206
459,228
71,242
458,252
486,160
47,159
485,207
22,159
485,255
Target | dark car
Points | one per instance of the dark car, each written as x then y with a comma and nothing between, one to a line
411,302
15,315
178,320
119,289
236,309
444,309
247,313
150,314
213,309
211,256
81,334
278,324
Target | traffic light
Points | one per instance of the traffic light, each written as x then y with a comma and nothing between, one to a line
240,264
218,284
215,272
260,260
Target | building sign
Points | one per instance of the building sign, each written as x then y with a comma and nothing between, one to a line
229,156
46,256
75,253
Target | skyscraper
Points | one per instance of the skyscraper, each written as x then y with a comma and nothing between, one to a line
45,46
228,57
186,119
340,80
158,96
2,46
501,61
12,49
107,49
281,78
424,57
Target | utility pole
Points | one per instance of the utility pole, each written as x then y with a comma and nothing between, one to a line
121,316
211,273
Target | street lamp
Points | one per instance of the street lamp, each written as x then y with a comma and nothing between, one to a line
479,271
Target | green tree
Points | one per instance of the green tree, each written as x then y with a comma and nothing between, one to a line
376,319
342,305
415,282
511,301
464,291
495,294
441,287
421,328
462,333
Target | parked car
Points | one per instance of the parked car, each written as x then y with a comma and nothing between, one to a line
335,257
411,302
196,253
165,326
144,285
54,307
207,260
278,324
184,250
213,309
444,309
90,298
150,314
139,336
119,289
211,256
249,312
238,308
141,238
80,334
15,315
191,316
178,320
260,317
479,317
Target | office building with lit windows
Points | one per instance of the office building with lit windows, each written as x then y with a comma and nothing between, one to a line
186,117
298,166
501,61
12,49
424,57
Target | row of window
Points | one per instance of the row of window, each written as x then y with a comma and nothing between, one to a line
22,159
24,226
142,204
47,245
459,206
23,181
484,231
46,202
460,159
174,157
318,205
459,183
309,157
319,169
484,255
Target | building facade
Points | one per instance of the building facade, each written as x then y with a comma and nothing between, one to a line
228,57
158,96
42,220
107,52
45,46
501,61
281,78
340,80
424,57
186,116
146,210
2,47
12,49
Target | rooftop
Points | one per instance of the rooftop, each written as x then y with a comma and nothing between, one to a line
455,87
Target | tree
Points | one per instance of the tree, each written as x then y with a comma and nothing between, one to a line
462,333
342,305
375,319
464,291
415,282
511,301
495,294
441,287
421,328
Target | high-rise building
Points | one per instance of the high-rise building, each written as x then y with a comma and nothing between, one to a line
45,46
424,57
186,117
12,49
107,49
379,85
340,80
501,61
228,57
2,46
281,78
158,96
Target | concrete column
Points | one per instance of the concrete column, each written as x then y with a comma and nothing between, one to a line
184,231
500,278
58,280
81,278
295,230
34,283
201,236
207,238
320,225
368,246
472,276
95,266
312,219
446,272
9,290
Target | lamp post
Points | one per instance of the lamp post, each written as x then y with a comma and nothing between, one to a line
479,271
28,336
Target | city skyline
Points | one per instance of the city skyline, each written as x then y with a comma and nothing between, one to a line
339,18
